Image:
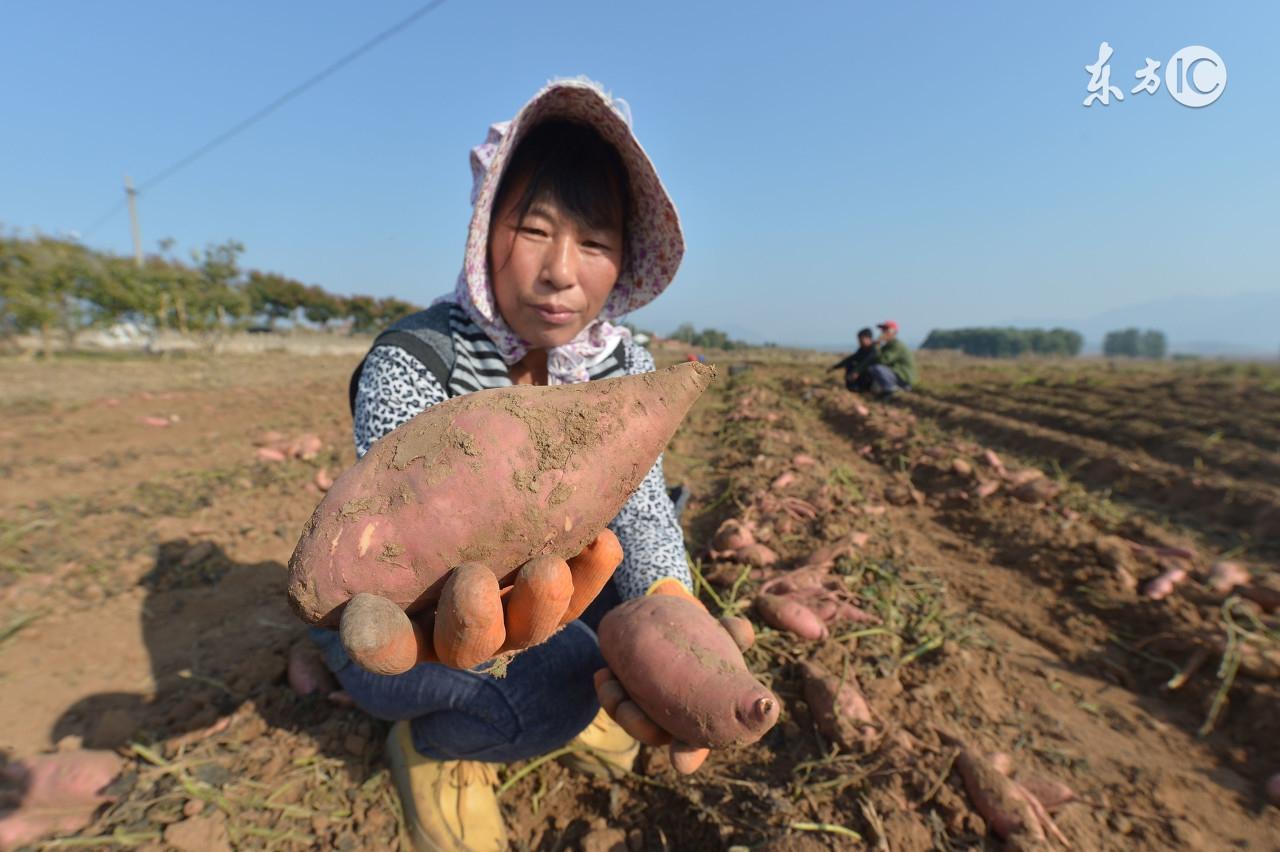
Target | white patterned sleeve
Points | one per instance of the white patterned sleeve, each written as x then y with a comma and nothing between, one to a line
647,528
394,387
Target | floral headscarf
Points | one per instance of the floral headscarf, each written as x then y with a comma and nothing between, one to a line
655,244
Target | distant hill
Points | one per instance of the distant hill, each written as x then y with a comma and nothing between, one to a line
1240,325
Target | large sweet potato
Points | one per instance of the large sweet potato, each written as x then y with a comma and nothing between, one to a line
496,478
685,671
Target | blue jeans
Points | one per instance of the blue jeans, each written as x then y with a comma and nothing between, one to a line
546,698
886,382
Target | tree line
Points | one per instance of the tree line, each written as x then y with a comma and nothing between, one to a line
1132,343
1006,342
707,338
50,285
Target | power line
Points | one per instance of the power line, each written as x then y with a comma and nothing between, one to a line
245,124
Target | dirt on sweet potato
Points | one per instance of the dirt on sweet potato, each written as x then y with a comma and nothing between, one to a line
496,477
683,669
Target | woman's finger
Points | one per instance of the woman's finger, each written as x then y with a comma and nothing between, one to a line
537,602
378,636
636,723
741,629
611,694
686,759
469,626
591,569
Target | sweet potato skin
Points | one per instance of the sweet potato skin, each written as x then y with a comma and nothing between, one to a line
684,670
786,614
1005,807
497,477
839,709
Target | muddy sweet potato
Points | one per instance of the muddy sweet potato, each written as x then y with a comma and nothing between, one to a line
1225,576
1162,586
839,709
757,555
684,671
1011,805
731,535
1005,807
784,613
496,478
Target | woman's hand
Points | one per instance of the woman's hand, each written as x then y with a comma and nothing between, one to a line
614,699
472,621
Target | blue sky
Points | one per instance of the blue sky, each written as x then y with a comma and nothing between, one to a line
834,163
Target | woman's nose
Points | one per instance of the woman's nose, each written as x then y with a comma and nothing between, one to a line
560,265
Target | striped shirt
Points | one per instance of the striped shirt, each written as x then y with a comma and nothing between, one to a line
395,386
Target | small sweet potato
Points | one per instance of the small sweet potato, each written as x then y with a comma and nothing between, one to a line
756,555
269,454
684,671
1004,806
994,462
1048,791
496,477
731,535
986,488
1162,586
305,447
785,613
1225,576
1011,804
839,709
785,479
809,590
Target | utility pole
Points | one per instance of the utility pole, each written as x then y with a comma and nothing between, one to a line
133,219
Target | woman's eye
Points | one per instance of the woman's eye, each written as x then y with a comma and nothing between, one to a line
595,244
532,231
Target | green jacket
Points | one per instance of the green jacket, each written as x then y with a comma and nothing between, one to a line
897,357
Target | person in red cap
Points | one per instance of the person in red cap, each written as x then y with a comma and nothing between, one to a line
894,367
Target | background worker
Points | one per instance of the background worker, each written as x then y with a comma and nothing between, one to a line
894,367
855,366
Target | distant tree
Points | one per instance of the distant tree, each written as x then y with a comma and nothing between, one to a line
390,309
1006,342
219,263
1153,344
274,295
320,306
707,338
49,284
685,333
363,311
713,338
1124,343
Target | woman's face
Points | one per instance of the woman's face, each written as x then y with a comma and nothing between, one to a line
550,276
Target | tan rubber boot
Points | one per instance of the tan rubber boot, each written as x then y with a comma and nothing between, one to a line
449,805
608,751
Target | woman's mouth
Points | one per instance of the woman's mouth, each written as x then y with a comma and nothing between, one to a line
554,314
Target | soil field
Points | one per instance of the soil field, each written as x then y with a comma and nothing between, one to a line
1003,525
